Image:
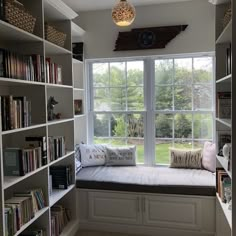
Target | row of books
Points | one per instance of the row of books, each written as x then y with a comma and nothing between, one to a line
223,185
34,232
21,208
25,160
60,216
61,176
223,105
53,72
18,66
15,112
56,147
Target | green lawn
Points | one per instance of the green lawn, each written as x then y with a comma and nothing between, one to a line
162,150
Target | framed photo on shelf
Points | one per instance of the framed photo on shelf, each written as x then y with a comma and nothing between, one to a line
78,106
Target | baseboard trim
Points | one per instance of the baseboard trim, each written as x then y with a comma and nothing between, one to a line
139,230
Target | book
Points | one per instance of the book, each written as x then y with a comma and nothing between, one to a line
13,162
61,176
39,141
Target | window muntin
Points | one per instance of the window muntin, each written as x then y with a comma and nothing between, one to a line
118,105
183,104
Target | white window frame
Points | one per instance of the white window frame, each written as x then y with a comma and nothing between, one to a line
149,111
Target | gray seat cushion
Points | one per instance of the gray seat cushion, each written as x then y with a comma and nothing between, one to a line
148,179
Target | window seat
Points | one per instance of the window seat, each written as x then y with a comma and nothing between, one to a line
163,180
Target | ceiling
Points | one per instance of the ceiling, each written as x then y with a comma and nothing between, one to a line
91,5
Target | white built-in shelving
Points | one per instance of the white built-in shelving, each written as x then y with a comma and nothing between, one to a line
57,13
225,41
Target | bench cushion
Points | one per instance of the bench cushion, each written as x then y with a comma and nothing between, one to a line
148,179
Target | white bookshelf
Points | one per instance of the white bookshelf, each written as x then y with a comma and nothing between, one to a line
225,38
59,15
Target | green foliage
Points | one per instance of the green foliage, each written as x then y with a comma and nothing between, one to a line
183,126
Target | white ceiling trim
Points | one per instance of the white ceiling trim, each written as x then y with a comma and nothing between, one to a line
92,5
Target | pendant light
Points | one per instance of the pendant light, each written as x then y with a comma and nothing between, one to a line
123,14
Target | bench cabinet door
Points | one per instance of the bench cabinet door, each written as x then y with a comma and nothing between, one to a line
172,212
114,207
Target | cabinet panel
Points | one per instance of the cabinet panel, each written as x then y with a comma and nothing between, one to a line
113,207
172,212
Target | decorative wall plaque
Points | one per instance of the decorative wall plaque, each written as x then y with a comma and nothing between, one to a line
147,38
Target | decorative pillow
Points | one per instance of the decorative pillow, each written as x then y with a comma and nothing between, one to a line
77,152
92,155
209,156
121,156
180,158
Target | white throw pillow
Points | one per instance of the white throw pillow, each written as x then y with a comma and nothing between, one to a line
121,156
209,156
92,155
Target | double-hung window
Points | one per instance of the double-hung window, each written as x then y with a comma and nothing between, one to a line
128,98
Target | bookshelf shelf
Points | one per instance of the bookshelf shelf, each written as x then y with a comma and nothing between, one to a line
77,31
23,129
53,49
69,229
218,2
75,61
37,215
226,122
79,116
79,90
69,153
58,86
227,212
9,181
10,32
17,82
224,164
58,194
226,79
57,10
55,122
226,35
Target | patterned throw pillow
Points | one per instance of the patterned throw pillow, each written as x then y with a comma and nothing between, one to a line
92,155
121,156
191,159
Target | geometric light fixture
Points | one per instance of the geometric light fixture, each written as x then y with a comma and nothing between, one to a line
123,14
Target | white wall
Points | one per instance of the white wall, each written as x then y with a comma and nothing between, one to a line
198,37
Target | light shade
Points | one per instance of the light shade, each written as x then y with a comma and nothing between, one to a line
123,14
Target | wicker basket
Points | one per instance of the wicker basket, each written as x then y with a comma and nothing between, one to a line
54,36
16,14
227,16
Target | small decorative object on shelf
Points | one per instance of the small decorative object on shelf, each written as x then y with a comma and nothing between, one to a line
226,150
54,36
16,14
78,51
51,104
78,107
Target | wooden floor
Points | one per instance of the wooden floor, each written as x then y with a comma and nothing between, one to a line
96,233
